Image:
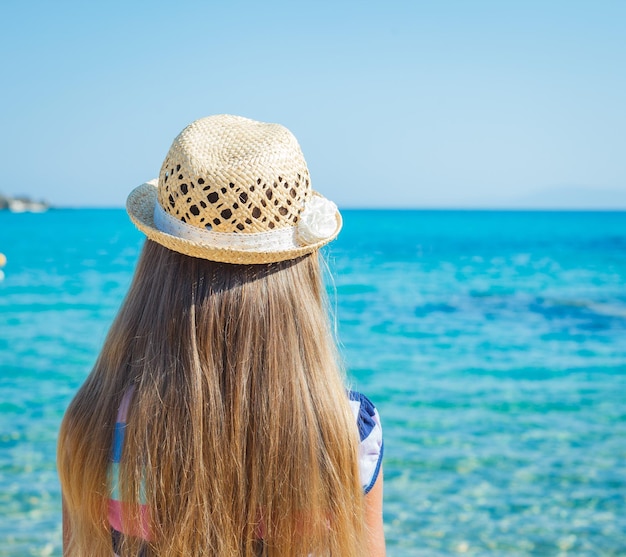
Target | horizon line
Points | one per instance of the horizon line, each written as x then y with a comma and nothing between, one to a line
505,208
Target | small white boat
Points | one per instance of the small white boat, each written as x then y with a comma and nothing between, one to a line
26,206
17,206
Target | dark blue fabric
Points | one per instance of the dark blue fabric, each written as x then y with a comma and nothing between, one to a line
118,442
117,538
365,420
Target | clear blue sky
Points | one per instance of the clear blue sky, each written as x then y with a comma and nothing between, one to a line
395,103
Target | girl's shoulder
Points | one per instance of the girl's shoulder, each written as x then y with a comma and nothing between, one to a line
370,438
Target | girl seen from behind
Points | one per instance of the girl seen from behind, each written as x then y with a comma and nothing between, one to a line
216,420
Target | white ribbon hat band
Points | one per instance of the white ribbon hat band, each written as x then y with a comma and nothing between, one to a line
273,240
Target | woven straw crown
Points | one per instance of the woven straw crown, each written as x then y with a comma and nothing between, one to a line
234,190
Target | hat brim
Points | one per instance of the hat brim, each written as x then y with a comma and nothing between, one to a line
140,206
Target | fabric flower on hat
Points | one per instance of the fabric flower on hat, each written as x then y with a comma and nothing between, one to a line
317,221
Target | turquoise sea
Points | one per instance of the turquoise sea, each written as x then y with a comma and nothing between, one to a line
493,343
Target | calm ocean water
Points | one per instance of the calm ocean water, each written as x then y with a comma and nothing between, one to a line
493,343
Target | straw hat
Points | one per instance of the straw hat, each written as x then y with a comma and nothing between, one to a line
237,191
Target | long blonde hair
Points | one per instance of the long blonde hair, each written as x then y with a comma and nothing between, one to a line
239,433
